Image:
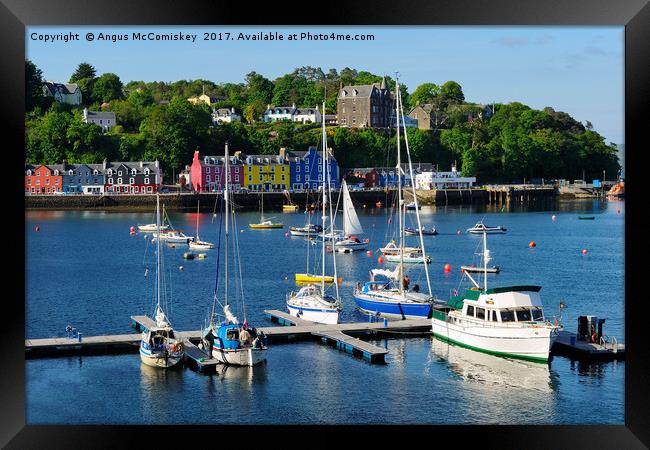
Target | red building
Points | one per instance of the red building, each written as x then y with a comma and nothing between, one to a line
43,179
370,176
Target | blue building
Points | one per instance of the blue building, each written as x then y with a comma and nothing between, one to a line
306,169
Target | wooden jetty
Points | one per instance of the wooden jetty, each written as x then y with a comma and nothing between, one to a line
343,336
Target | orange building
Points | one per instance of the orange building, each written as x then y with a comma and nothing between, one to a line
43,179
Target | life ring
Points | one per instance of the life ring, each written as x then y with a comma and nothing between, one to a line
593,337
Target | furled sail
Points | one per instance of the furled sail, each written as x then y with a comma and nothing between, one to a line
351,224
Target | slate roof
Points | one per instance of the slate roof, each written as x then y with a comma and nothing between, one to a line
101,115
64,88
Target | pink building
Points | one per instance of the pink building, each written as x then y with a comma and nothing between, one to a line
207,173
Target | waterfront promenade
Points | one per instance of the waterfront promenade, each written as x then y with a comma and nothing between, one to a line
274,200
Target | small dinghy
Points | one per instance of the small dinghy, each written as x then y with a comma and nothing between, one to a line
475,269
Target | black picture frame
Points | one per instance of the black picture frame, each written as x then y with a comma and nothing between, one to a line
633,14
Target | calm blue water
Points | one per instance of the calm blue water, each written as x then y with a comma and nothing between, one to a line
84,269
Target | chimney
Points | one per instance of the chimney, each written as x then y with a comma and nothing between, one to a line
104,164
85,113
141,165
232,110
157,164
63,164
268,106
293,105
283,152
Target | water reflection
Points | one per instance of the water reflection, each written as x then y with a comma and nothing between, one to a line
477,367
243,376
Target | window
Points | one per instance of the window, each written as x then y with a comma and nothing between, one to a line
56,181
297,177
298,168
523,315
236,178
470,311
133,172
29,181
148,189
47,181
507,316
480,313
207,178
119,173
131,180
119,180
146,181
306,168
282,177
110,181
207,170
537,314
137,189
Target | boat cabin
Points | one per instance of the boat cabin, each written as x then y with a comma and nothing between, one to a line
229,337
157,337
514,304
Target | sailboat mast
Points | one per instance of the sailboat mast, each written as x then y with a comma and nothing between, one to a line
324,217
226,195
484,260
399,192
157,251
415,199
326,173
197,219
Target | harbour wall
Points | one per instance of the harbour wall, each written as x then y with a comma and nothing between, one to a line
275,200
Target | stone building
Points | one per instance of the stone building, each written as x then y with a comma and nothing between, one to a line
364,106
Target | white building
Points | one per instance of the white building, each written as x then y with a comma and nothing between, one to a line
106,120
293,114
225,115
63,93
443,180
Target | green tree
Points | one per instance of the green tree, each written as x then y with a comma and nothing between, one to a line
424,93
452,91
84,70
33,86
107,87
259,88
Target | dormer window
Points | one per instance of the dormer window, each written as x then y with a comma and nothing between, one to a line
70,172
344,93
29,172
206,160
146,171
95,172
110,171
56,172
133,171
355,92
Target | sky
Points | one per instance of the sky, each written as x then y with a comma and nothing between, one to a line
578,70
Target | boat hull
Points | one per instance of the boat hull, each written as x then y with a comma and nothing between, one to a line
329,316
342,245
159,360
471,269
408,259
392,308
259,226
488,231
289,208
240,357
308,278
200,246
532,344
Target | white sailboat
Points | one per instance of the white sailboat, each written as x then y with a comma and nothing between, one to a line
198,244
265,222
232,342
171,236
505,321
159,346
311,303
394,296
351,225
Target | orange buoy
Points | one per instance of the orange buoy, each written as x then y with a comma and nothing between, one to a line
132,229
462,270
584,251
447,268
340,280
37,228
380,260
369,253
378,204
532,244
553,217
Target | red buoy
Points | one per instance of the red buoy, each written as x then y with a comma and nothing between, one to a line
369,253
532,244
132,229
447,268
584,251
340,280
380,260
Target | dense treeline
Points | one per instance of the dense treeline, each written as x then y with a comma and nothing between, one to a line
155,120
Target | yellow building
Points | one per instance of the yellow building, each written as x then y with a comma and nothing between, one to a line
204,99
265,172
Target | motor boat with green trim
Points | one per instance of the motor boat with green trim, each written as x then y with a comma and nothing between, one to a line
504,321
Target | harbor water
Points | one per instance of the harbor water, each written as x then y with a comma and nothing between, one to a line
84,269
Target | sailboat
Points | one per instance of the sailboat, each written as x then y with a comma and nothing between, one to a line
197,243
172,236
311,302
310,229
265,223
159,346
351,225
290,206
393,296
503,321
232,342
